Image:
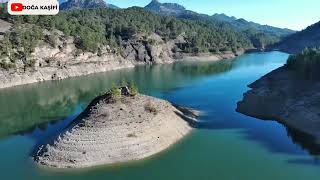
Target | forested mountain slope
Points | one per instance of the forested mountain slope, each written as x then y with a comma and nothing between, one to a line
85,41
260,35
295,43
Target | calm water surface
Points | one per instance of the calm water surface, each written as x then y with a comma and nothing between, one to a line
224,145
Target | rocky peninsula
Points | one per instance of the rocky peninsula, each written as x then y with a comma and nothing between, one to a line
284,96
116,130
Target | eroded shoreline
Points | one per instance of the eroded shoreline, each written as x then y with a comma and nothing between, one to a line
286,98
93,66
110,133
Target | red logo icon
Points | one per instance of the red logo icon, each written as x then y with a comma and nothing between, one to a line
16,7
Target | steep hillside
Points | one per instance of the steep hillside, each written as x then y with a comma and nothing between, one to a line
80,42
308,38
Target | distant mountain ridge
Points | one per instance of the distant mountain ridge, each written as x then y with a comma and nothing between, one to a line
84,4
307,38
165,8
224,17
260,35
243,24
112,6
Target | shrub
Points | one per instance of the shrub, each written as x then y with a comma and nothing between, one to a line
131,135
87,124
7,66
99,53
133,89
52,40
151,42
77,52
149,107
124,83
31,63
48,60
115,92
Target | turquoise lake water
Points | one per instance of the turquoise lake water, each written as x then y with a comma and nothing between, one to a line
224,145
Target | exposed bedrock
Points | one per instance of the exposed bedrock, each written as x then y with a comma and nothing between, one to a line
282,96
110,131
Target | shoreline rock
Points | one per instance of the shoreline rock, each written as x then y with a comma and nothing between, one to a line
93,65
60,58
63,59
282,96
109,132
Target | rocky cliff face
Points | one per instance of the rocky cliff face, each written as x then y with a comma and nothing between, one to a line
152,49
57,57
282,96
62,59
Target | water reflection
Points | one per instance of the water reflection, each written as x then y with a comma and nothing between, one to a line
266,136
272,135
218,96
304,140
34,108
43,110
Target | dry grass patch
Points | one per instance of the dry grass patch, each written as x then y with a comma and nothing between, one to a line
132,135
151,108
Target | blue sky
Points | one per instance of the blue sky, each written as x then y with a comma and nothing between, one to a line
293,14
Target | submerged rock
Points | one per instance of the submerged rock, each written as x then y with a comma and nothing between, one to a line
110,131
281,95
